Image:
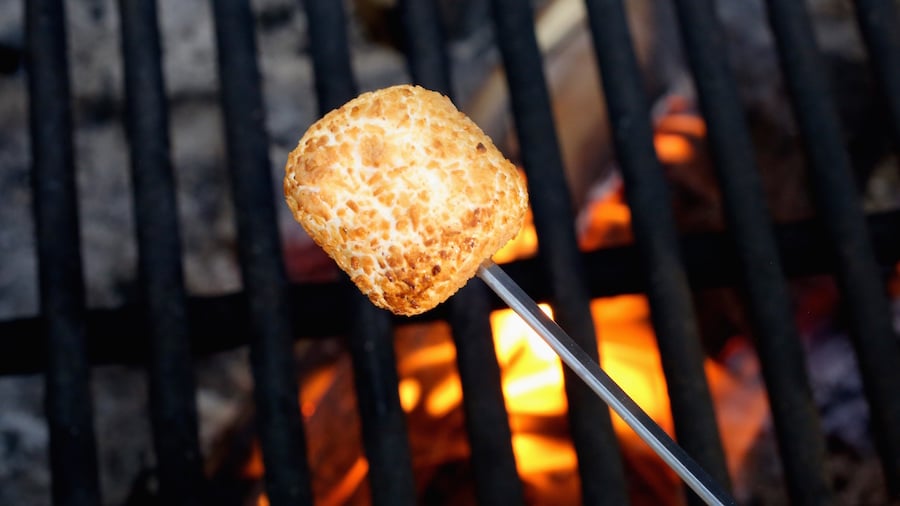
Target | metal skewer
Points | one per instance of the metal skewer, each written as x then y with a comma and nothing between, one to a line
589,371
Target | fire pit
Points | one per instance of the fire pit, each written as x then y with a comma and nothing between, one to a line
436,405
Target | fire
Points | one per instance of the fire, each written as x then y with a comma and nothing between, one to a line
533,380
533,386
532,376
531,371
347,486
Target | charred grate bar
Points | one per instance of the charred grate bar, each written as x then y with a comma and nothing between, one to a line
753,253
174,412
880,26
73,456
841,211
778,342
275,390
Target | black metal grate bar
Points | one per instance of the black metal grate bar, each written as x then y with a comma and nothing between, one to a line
370,339
271,353
172,404
487,421
777,341
220,322
877,348
880,25
667,286
73,458
383,421
333,75
424,44
599,459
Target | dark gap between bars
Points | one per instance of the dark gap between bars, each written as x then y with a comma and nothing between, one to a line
879,23
173,410
840,210
73,454
596,447
486,419
669,294
797,428
370,336
275,389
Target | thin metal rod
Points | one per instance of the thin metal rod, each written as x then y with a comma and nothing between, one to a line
600,466
668,291
584,366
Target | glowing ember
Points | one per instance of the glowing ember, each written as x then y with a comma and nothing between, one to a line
410,393
444,397
253,468
673,148
606,222
345,489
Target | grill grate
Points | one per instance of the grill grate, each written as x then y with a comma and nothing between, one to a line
834,189
259,249
754,254
59,256
173,412
778,342
654,230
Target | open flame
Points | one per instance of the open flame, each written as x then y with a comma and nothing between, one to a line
532,376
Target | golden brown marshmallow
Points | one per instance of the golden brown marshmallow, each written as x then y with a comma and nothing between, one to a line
405,193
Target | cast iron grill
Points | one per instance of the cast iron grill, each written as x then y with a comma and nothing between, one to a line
753,254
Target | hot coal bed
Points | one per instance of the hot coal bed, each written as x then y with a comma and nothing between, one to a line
279,318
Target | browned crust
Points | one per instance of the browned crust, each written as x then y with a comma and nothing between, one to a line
406,193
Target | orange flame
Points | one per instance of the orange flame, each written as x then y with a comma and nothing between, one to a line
253,468
531,373
533,383
673,148
348,485
673,137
